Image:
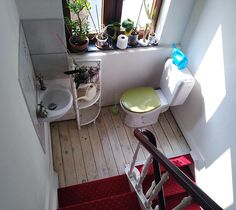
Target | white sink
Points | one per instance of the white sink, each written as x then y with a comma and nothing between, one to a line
57,100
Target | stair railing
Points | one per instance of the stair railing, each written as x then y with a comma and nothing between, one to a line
147,139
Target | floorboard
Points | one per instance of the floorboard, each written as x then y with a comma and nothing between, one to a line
57,154
90,166
67,156
103,149
77,152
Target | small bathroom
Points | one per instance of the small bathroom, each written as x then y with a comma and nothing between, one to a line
102,120
101,123
138,70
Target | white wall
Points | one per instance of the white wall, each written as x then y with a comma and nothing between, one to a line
128,68
43,23
208,117
173,19
39,9
25,169
121,69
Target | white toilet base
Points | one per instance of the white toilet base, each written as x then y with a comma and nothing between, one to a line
139,120
134,120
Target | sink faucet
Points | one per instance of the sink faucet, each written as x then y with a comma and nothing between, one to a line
41,111
41,82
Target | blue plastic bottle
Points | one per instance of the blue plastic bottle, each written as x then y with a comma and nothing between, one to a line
179,58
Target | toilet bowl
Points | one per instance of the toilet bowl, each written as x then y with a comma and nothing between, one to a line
143,105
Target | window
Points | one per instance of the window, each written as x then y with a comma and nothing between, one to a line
119,10
96,5
110,11
137,8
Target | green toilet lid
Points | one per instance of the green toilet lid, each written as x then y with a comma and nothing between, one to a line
141,99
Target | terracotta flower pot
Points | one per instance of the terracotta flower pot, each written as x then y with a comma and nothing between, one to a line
79,48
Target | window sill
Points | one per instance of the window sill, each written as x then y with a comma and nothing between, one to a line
93,48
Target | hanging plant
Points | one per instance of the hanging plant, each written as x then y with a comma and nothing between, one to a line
83,74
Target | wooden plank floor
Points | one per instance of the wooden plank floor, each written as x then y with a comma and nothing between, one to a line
102,149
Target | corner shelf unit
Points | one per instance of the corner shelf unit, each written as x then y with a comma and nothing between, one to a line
87,111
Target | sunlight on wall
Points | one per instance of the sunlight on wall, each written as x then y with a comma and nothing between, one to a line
210,75
217,182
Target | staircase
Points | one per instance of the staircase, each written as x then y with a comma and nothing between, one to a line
114,193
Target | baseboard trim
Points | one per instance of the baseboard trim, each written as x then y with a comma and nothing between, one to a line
53,199
198,158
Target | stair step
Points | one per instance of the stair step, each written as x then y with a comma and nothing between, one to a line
114,192
180,161
171,187
125,201
173,201
93,190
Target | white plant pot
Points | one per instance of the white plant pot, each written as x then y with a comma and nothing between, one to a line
101,42
152,39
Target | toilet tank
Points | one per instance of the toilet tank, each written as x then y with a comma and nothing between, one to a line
176,84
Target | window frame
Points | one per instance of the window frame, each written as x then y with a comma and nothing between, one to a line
112,11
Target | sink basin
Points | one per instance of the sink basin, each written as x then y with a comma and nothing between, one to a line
57,100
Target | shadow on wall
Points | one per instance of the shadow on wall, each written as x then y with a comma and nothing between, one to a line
208,116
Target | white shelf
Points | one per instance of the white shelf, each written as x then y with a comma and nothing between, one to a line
82,104
87,111
89,114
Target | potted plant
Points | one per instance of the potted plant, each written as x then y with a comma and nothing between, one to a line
102,38
79,25
152,40
83,75
106,34
130,31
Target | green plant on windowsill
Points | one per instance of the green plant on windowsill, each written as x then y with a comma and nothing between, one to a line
130,31
102,37
80,25
128,25
113,29
107,34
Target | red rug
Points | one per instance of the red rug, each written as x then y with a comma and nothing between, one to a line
113,193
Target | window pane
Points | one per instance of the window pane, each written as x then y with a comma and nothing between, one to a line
94,15
131,10
93,4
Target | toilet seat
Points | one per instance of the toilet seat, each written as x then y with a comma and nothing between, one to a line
145,118
140,100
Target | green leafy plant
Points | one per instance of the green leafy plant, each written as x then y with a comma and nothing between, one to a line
103,33
113,29
80,25
129,26
83,74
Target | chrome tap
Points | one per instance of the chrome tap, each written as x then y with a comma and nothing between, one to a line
41,82
41,111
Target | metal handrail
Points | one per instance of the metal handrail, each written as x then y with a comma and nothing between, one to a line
145,137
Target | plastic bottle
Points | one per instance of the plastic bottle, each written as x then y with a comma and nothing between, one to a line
179,58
